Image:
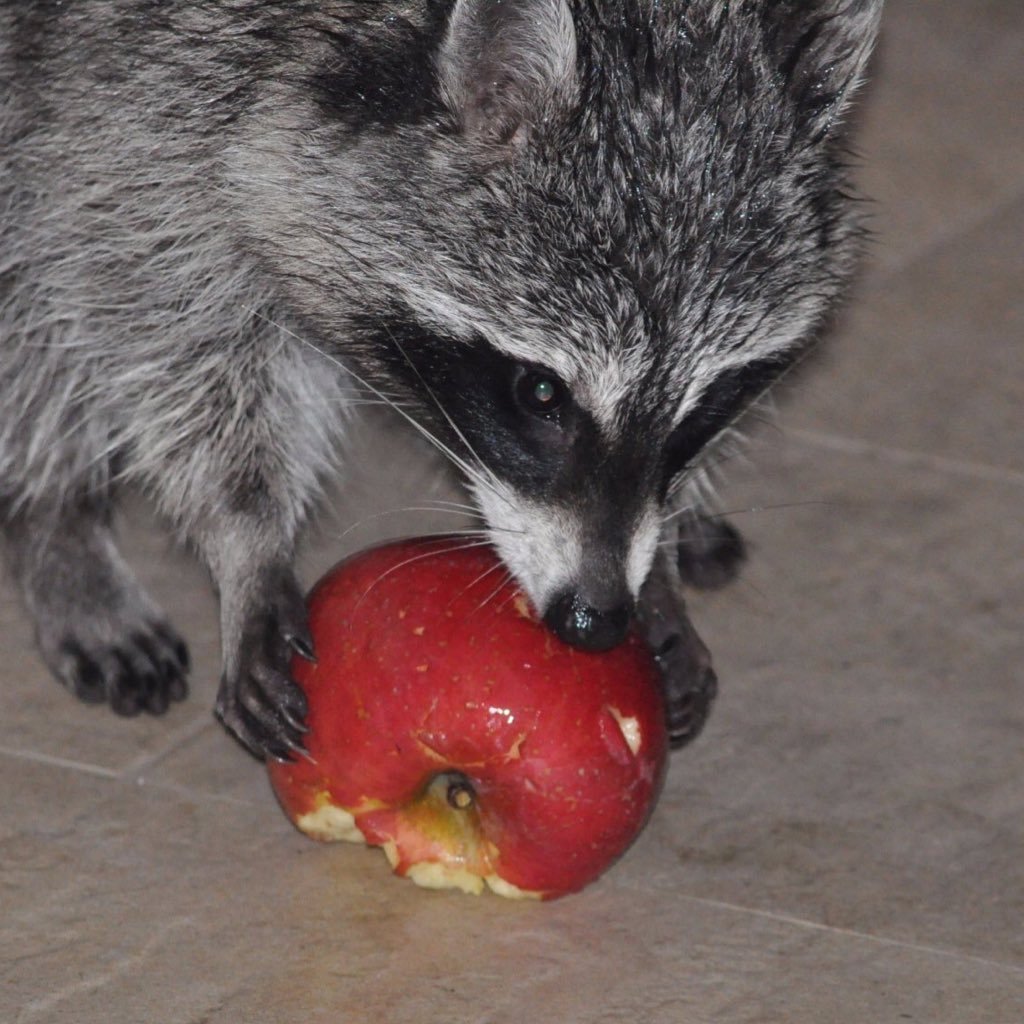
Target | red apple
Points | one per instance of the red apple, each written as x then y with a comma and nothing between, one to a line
450,727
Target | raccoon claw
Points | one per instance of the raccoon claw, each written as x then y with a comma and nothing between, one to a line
264,713
260,704
264,710
687,705
303,647
688,681
146,672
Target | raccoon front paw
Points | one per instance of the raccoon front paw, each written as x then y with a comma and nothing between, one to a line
689,685
146,670
258,702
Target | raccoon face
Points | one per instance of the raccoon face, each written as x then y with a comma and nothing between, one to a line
625,230
581,245
571,469
571,505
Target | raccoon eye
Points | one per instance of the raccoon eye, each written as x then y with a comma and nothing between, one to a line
540,393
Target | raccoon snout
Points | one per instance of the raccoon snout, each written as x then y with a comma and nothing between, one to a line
577,623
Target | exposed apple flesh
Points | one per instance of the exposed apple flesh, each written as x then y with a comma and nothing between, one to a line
451,728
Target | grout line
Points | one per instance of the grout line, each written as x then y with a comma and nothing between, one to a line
198,796
905,456
129,777
734,908
61,762
852,933
80,984
174,743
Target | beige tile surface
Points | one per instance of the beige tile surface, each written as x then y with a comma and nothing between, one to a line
844,840
929,358
939,140
864,767
845,843
161,907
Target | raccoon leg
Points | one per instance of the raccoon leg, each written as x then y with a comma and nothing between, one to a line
98,631
710,552
265,416
689,682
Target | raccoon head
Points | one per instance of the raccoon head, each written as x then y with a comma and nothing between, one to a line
583,240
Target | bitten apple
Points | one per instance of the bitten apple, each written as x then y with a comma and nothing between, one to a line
448,726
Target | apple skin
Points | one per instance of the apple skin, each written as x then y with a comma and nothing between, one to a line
450,727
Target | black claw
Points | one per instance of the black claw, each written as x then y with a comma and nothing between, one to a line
283,736
264,732
284,748
295,702
303,647
295,723
688,714
277,746
280,753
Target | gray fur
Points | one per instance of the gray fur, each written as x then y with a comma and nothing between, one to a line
207,207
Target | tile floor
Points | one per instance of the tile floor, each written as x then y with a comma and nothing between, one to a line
844,844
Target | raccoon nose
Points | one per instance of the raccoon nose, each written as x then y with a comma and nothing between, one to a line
576,623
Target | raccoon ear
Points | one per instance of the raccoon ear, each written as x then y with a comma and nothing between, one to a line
822,47
504,63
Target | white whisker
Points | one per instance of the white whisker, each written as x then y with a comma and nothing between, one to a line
393,512
506,578
444,412
457,460
469,586
417,558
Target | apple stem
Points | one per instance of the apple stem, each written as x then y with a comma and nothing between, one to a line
460,795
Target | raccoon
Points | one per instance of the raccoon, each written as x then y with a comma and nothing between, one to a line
571,240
